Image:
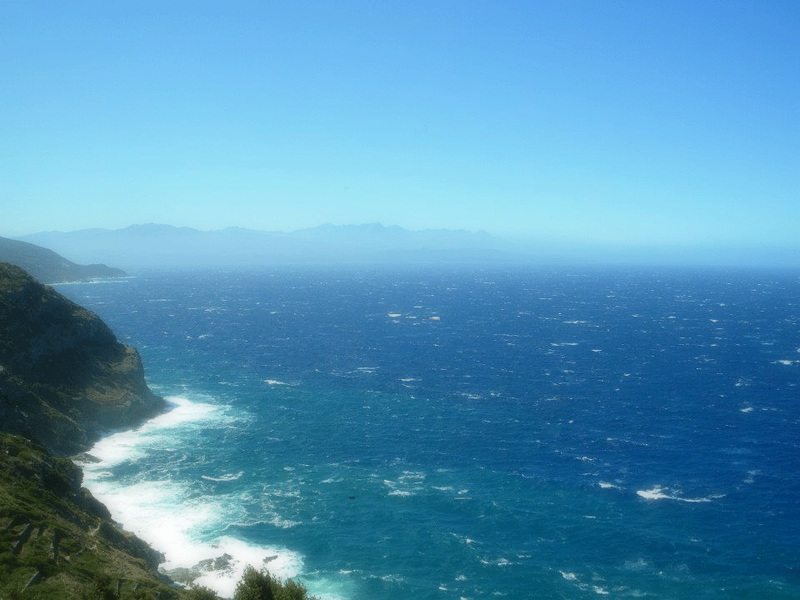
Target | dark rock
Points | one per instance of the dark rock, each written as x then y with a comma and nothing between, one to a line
64,375
54,545
23,537
130,544
37,577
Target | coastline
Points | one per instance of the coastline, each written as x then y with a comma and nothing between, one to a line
170,516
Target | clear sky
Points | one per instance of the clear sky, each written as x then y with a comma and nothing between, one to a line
643,121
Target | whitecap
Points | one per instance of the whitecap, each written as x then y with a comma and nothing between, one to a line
606,486
226,477
658,493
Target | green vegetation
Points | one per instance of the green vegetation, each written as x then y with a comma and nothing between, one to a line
260,585
56,541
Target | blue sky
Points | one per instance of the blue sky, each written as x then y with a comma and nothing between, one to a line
597,121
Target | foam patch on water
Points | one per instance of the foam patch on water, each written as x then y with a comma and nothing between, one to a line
226,477
132,444
661,493
170,515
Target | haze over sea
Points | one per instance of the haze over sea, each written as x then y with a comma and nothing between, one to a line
453,433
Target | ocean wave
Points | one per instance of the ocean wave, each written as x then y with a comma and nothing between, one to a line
169,515
661,493
131,445
608,486
226,477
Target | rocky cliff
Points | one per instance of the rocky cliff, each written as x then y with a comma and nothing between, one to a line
63,374
64,377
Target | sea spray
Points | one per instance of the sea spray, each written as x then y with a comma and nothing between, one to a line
167,513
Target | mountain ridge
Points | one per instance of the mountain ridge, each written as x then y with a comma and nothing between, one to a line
158,245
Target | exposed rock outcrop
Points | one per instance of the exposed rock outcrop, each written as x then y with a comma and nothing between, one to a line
63,374
64,377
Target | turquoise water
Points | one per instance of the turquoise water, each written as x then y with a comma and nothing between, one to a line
466,433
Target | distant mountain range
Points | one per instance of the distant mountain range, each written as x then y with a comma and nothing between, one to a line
49,267
151,245
154,245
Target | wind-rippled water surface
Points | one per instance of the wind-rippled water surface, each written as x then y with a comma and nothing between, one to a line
466,433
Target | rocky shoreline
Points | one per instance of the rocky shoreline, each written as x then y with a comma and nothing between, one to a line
64,378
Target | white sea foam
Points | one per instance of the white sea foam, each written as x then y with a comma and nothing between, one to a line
274,382
661,493
169,515
226,477
599,590
606,486
132,444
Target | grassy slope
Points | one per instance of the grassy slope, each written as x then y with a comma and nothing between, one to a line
40,497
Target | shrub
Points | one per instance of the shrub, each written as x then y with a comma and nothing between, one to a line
254,585
260,585
198,592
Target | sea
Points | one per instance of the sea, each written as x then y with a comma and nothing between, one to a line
462,432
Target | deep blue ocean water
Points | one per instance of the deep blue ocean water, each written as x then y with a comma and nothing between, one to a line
469,433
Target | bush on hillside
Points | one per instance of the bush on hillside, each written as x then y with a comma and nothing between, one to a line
260,585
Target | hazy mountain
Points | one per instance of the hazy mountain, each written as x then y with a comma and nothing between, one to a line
154,245
49,267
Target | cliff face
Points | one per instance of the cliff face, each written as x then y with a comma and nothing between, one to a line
63,374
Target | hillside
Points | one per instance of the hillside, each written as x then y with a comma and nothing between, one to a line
63,374
57,541
49,267
63,377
